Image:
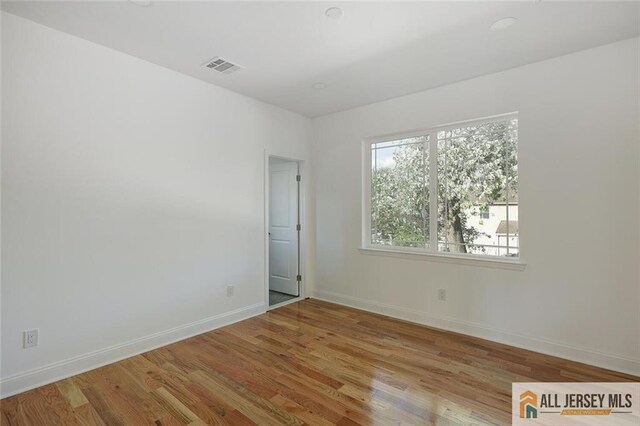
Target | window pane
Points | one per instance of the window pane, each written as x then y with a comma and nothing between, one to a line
478,189
400,192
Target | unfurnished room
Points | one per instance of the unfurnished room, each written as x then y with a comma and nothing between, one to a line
320,212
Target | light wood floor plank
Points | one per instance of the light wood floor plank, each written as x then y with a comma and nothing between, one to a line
310,362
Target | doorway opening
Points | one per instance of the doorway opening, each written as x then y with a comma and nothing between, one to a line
284,231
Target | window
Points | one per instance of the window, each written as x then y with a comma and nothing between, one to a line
450,189
484,212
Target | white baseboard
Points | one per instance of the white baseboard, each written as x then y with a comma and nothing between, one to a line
562,350
50,373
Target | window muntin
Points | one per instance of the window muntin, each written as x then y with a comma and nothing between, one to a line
473,172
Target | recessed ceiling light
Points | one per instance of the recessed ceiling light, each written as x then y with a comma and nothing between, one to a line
334,13
503,23
319,85
143,3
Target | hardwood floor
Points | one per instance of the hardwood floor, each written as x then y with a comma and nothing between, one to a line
310,362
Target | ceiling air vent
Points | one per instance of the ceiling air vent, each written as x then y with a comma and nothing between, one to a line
222,65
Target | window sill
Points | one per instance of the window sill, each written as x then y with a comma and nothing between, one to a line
468,260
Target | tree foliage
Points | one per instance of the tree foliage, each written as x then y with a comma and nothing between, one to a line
400,198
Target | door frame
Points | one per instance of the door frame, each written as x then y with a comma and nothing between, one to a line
302,246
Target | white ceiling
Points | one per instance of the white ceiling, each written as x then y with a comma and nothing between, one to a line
376,51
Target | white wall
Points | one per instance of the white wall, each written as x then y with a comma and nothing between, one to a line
131,196
578,150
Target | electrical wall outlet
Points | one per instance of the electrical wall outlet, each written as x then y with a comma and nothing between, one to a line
229,290
30,338
442,294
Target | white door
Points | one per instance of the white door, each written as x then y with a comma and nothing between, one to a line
283,221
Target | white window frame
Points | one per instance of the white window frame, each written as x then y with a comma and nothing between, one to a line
430,253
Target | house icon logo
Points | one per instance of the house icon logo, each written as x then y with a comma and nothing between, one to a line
528,405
